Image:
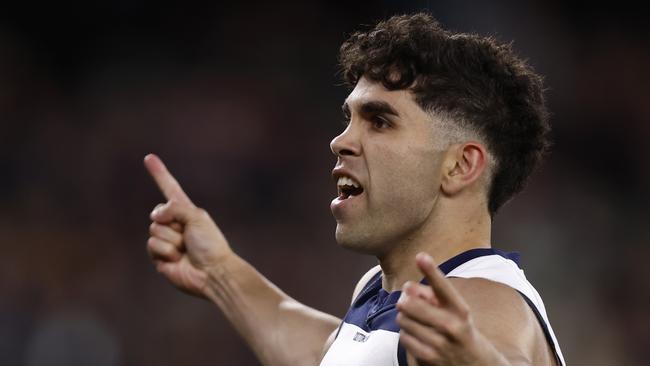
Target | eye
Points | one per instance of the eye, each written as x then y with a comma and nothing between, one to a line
379,122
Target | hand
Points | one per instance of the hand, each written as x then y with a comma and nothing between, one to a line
436,324
184,241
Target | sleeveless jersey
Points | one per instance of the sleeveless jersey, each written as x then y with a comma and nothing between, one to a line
369,335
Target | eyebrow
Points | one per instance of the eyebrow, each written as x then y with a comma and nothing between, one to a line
372,107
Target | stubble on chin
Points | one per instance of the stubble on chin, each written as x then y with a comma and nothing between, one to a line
348,238
356,239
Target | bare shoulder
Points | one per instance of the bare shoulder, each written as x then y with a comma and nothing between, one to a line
364,281
502,315
492,298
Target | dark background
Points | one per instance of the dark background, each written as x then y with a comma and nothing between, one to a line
241,101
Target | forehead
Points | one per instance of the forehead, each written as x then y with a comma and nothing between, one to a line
369,91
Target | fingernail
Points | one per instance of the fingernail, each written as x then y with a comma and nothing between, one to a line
424,257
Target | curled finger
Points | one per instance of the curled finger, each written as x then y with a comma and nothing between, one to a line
416,348
177,226
166,233
422,291
445,321
163,250
425,334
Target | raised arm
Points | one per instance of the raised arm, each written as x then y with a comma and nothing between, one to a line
190,250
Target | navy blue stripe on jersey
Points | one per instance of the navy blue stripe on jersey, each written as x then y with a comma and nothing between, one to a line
467,256
401,355
542,322
374,308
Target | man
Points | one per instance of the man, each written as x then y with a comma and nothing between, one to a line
443,129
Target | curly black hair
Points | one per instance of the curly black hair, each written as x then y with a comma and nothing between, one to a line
478,81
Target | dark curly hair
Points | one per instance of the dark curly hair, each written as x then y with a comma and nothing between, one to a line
477,81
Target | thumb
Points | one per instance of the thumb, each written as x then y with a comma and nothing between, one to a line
174,211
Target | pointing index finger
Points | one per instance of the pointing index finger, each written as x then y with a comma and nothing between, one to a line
442,287
166,182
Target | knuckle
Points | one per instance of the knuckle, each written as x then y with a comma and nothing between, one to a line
156,246
151,247
463,313
159,207
176,203
447,327
438,342
457,328
166,249
177,228
404,299
201,213
430,356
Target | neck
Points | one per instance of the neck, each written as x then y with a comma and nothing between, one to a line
442,237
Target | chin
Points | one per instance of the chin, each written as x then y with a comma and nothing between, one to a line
355,240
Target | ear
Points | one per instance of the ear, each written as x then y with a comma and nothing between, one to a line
464,164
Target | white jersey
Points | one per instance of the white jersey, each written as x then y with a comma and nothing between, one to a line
369,335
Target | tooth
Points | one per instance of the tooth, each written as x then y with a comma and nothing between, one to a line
347,181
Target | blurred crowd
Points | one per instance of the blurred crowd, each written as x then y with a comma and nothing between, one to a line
241,101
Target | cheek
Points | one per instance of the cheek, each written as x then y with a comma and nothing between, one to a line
408,178
426,171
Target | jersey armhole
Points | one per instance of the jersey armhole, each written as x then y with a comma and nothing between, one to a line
542,323
364,281
361,286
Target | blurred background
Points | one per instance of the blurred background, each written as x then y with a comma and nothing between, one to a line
241,101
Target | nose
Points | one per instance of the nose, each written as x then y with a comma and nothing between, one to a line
347,143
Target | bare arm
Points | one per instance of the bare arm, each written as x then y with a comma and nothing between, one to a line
279,329
504,318
188,248
468,322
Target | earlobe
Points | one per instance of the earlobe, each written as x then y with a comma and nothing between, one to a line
463,166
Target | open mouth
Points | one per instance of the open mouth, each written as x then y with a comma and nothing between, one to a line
348,187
